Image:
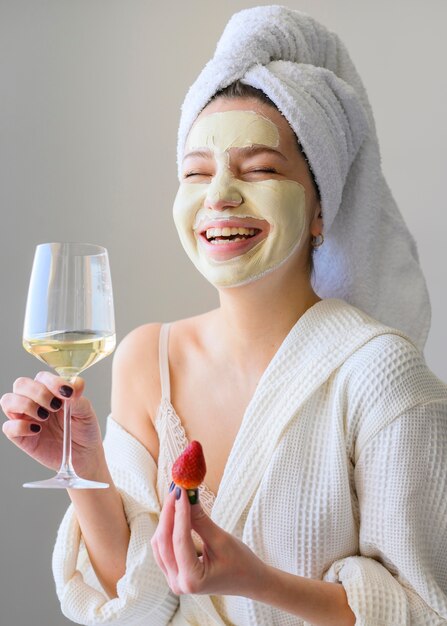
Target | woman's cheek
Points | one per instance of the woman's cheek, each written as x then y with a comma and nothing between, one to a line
282,204
189,199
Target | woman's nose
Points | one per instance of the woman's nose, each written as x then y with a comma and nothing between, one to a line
222,193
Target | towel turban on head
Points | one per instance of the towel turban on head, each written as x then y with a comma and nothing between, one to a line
369,257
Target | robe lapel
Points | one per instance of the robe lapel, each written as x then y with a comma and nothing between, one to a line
322,339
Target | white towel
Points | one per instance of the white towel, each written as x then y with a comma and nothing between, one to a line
369,257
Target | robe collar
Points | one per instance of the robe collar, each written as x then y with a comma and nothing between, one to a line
320,341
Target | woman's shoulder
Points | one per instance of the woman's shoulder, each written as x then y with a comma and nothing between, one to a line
385,378
136,344
137,356
390,364
134,383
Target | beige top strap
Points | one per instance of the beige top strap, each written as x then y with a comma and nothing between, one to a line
163,360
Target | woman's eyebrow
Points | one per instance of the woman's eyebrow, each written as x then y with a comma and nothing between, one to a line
247,151
198,153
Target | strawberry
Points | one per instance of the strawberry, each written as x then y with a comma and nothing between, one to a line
189,469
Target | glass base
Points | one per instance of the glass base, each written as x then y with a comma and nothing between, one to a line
61,481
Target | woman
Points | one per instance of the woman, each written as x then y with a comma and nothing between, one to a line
324,432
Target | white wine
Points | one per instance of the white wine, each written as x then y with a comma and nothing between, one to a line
69,353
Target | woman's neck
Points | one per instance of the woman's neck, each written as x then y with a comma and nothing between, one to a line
254,319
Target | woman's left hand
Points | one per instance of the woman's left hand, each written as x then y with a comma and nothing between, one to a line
226,566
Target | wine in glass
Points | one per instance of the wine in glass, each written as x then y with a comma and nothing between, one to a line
69,325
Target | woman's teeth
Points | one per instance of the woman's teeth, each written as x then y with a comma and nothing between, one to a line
223,235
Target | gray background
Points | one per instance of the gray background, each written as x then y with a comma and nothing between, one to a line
90,92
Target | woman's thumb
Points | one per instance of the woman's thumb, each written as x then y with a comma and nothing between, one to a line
82,408
202,523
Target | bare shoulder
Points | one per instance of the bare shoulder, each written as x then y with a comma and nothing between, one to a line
137,353
136,384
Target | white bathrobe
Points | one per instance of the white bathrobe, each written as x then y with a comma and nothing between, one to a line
338,473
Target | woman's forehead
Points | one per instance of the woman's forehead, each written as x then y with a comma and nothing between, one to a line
286,138
222,130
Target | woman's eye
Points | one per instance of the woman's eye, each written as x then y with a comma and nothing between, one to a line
261,171
192,174
269,170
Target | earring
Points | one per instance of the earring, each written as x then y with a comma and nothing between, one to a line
315,243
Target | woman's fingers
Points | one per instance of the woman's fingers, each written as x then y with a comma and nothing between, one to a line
20,428
162,538
19,407
37,399
63,390
158,559
184,548
226,565
32,399
204,526
60,387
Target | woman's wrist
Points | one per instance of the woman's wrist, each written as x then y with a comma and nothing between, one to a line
263,585
315,601
96,470
95,466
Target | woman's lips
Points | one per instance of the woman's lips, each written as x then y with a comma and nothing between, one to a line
228,248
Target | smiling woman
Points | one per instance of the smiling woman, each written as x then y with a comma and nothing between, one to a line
242,170
302,389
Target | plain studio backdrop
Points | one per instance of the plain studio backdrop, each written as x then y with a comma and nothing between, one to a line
90,92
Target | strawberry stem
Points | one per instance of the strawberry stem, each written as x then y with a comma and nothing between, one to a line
193,495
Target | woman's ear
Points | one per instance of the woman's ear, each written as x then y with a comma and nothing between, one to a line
316,225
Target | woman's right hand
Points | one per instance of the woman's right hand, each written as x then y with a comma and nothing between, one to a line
35,411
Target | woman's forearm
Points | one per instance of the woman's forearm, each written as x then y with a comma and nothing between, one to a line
318,602
104,527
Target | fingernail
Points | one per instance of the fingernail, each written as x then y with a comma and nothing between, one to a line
42,413
35,428
56,403
171,487
66,391
178,493
193,495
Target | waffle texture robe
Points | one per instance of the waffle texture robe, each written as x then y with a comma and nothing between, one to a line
338,472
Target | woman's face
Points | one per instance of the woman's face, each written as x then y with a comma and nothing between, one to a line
246,198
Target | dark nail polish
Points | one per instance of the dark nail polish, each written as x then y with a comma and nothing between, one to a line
35,428
171,487
66,391
178,493
42,413
56,404
193,496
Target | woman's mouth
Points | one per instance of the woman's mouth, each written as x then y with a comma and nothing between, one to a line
219,236
224,242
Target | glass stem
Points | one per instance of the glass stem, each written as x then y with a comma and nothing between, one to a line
66,468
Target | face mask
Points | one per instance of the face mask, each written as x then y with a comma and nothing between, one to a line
281,203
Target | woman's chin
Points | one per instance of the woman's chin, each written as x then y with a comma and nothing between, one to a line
231,276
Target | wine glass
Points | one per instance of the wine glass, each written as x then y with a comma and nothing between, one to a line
69,325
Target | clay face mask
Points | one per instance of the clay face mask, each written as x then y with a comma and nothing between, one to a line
233,230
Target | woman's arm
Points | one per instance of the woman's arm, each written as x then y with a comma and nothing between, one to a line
100,513
315,601
104,527
229,567
401,482
91,540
